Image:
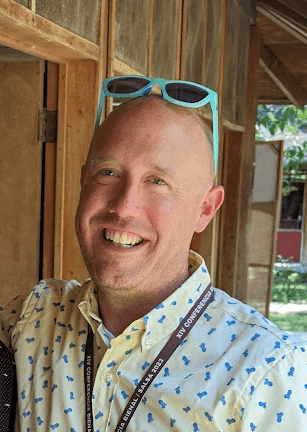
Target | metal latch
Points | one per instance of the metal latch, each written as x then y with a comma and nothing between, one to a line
48,126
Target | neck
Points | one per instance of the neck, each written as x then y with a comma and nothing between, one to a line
119,308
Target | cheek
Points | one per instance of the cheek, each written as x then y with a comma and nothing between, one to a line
91,202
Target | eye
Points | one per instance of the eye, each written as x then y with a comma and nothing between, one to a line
105,173
160,180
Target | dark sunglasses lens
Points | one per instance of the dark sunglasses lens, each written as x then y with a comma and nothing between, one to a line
127,85
185,92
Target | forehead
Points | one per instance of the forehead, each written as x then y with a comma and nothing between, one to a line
149,125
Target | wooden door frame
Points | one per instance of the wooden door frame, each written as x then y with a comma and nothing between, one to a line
82,65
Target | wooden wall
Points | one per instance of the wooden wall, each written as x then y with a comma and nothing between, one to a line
81,17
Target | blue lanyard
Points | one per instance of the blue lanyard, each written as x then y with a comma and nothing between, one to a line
169,348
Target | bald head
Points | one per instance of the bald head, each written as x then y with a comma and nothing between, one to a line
162,113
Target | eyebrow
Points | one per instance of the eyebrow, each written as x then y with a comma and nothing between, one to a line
165,171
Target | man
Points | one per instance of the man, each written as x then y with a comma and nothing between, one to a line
146,187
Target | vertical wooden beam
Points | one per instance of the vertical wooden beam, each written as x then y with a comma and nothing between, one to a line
229,212
77,108
60,172
149,37
247,165
179,37
183,39
111,49
50,176
278,198
204,56
216,220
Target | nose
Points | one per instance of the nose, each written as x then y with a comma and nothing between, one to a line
126,201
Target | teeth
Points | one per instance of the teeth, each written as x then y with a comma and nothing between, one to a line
122,239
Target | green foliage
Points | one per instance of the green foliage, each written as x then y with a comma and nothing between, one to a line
297,322
282,118
289,285
278,118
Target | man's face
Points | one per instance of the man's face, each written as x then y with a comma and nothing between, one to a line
145,171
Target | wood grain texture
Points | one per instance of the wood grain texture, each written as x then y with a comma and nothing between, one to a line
285,17
262,231
259,278
164,39
213,44
81,17
23,30
195,36
23,2
131,30
246,166
50,177
21,99
77,112
229,215
282,76
235,62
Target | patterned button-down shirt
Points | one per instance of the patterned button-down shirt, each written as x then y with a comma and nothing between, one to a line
235,371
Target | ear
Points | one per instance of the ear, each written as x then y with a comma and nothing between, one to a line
212,202
83,170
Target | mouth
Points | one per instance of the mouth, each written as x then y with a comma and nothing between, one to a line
122,241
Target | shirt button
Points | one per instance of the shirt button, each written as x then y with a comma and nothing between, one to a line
148,342
107,377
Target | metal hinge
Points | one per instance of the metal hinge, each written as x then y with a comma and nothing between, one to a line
48,126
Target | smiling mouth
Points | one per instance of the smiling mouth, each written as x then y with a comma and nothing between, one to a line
120,242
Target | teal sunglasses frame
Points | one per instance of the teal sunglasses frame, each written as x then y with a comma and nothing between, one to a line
211,98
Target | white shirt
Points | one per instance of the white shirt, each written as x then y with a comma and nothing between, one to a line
235,371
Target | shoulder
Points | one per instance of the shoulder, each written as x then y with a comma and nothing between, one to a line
45,294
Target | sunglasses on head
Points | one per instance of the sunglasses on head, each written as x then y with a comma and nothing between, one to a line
184,93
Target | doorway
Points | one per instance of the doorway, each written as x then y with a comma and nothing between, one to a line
23,96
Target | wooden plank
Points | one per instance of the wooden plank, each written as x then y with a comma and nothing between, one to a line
131,30
296,5
22,29
21,101
76,123
178,13
50,177
121,68
272,33
299,32
164,39
208,242
195,41
81,17
183,38
216,25
246,167
284,12
278,200
229,216
221,89
282,77
60,172
102,63
149,37
111,49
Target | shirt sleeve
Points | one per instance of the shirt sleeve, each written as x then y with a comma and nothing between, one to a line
9,316
279,402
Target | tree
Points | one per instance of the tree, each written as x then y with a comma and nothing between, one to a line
276,119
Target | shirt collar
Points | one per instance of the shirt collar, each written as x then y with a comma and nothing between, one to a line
165,317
